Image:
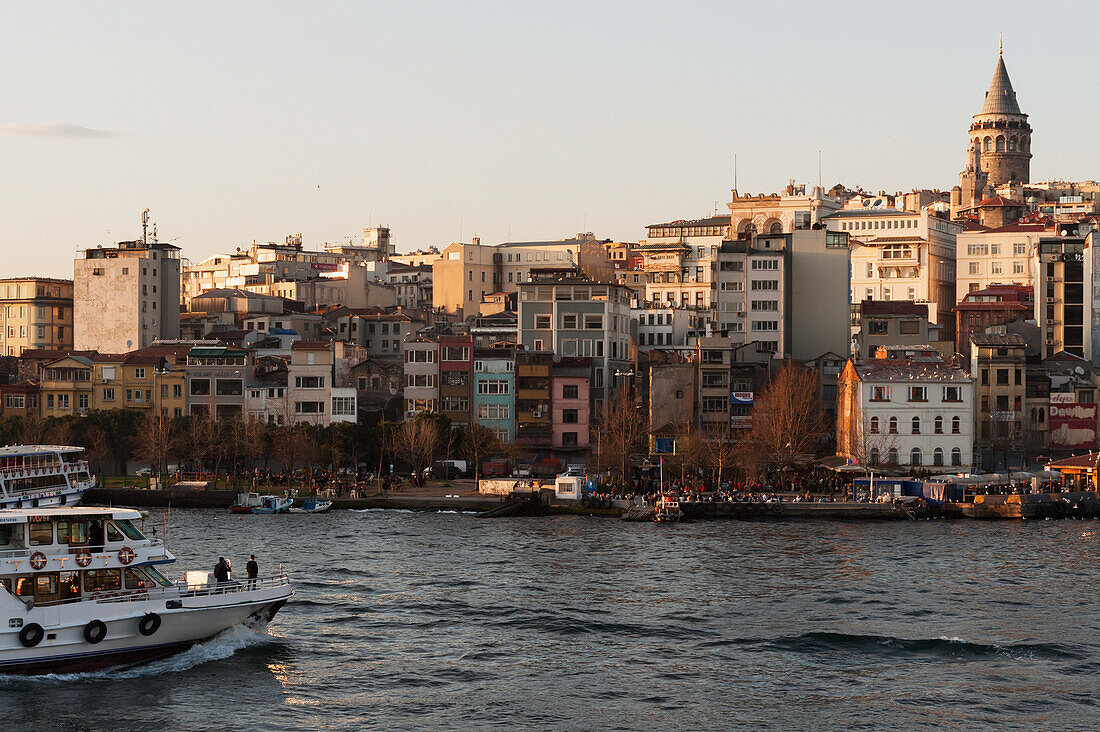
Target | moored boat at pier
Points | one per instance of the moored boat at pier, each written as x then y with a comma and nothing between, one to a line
38,476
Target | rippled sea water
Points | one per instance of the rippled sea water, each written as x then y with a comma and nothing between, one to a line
421,620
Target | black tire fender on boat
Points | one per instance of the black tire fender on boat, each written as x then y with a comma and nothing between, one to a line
149,624
31,635
776,508
586,502
606,503
95,631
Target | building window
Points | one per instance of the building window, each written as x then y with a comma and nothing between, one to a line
309,407
569,321
876,327
915,456
937,425
916,425
892,456
956,456
200,387
343,405
309,382
494,411
874,425
569,416
493,386
893,425
956,426
569,439
880,394
937,456
542,322
918,393
229,387
108,394
570,391
952,393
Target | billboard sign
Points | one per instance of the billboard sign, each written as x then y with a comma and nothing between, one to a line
740,398
1072,424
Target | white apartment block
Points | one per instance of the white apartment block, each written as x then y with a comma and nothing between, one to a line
902,255
1003,256
421,357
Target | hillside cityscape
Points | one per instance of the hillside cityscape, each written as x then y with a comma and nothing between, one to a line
917,332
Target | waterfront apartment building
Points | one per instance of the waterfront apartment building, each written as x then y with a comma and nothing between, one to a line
127,296
319,385
902,255
216,377
994,305
891,323
456,364
906,415
494,392
534,430
421,359
35,312
577,317
570,407
998,364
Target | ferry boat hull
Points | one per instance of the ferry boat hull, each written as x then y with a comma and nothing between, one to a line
47,499
65,649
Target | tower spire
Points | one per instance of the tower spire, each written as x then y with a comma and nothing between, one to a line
1000,44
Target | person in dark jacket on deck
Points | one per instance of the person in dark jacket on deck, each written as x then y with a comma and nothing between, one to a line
252,569
221,570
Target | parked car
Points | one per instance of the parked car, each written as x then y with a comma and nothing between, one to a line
446,469
144,472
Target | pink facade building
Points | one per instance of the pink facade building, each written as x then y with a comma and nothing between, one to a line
569,404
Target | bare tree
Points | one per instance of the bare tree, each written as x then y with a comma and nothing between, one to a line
285,445
786,419
618,429
478,442
416,442
32,428
712,448
155,439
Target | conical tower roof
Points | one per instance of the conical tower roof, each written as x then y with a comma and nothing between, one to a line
1000,99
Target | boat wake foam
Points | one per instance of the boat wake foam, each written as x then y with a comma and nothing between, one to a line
943,647
221,646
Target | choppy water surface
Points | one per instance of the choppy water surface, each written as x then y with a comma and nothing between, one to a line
410,620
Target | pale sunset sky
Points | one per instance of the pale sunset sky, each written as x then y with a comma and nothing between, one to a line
246,121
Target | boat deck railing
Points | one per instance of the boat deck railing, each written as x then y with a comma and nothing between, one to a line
19,471
182,590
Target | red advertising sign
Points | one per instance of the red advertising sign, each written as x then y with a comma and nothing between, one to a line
1072,424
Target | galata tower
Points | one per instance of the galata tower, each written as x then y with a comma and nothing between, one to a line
1000,142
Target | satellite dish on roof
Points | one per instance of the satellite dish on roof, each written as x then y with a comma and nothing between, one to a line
1080,370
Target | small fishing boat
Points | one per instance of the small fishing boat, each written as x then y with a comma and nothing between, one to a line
273,504
667,510
312,504
245,503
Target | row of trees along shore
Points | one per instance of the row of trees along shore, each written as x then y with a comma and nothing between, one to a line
786,423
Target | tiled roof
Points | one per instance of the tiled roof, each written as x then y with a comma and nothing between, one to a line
1000,99
995,339
888,369
892,307
997,202
708,221
1091,460
310,345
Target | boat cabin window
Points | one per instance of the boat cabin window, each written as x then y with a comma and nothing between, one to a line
113,534
8,535
131,531
102,580
24,586
6,584
41,533
157,577
73,533
136,579
45,586
70,585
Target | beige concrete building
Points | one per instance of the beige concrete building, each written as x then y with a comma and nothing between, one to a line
678,261
780,213
1001,256
35,312
127,296
901,255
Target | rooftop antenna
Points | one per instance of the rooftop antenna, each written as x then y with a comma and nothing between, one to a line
735,171
818,168
145,226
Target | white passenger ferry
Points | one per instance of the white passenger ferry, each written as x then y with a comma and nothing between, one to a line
36,476
80,590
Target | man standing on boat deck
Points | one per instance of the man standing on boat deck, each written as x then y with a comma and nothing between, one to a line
252,569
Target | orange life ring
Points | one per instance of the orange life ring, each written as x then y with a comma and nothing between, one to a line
126,555
84,557
38,560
